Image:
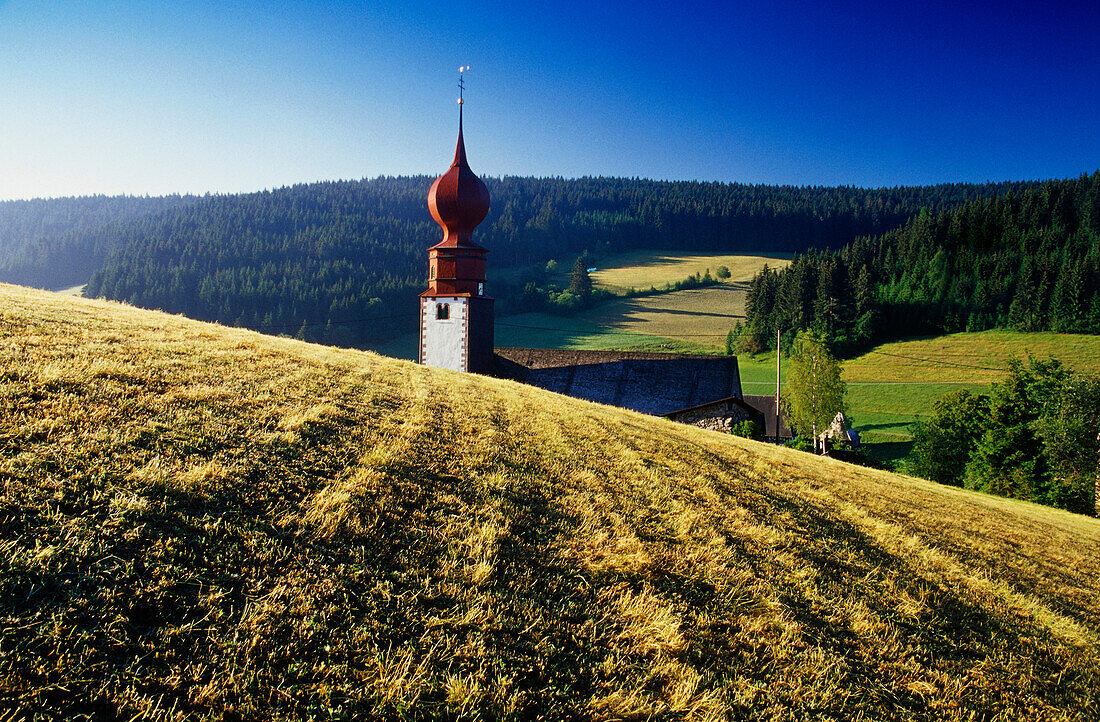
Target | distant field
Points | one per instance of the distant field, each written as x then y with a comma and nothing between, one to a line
971,357
542,330
642,269
701,316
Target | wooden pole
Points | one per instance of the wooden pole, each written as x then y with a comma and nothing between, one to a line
778,375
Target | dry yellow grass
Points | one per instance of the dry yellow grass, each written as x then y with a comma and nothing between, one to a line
200,522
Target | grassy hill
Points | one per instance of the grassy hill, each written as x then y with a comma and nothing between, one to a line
201,522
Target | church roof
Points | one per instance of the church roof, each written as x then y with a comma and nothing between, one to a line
652,383
458,200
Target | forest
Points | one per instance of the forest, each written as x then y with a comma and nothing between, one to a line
1028,260
59,242
340,262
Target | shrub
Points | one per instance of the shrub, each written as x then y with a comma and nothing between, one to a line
746,429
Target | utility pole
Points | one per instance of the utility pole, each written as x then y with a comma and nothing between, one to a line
778,372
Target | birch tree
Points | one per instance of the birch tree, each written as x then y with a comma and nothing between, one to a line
815,391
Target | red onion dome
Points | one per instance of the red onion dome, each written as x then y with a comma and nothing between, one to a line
458,200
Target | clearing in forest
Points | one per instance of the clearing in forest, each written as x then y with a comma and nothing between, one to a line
642,269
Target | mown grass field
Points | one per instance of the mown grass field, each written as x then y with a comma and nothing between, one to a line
642,269
700,316
206,523
542,330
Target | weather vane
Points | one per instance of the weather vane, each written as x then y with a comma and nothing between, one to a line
461,83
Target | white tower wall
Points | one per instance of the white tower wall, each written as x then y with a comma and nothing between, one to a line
444,341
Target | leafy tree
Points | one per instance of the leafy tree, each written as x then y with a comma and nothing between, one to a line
1069,433
815,390
723,272
943,444
1009,459
1034,438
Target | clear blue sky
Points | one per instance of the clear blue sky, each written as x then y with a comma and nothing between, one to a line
158,97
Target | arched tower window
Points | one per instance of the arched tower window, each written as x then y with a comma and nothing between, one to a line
442,311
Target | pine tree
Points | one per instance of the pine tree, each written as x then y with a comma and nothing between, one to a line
580,283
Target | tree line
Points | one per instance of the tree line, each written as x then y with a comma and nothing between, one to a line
60,242
342,262
1029,260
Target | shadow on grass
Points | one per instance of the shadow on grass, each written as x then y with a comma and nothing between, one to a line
888,452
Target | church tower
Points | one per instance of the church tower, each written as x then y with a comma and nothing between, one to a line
456,317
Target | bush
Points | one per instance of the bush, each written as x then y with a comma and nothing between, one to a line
723,272
567,302
800,443
943,444
746,429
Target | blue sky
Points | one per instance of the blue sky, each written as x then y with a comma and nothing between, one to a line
159,97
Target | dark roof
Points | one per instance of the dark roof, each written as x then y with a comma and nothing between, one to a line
766,406
652,383
730,400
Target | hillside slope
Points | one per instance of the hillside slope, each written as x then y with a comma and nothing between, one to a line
205,522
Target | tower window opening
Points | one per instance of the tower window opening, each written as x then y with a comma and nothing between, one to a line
480,288
431,273
442,311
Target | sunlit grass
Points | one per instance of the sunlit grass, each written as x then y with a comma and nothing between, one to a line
642,269
200,522
973,358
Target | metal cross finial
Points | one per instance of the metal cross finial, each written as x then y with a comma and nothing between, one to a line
461,83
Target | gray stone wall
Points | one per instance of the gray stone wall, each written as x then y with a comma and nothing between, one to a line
719,417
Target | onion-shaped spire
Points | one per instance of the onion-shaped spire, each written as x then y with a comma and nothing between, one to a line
458,200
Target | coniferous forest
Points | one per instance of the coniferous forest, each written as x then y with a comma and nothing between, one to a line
61,242
1029,260
341,262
